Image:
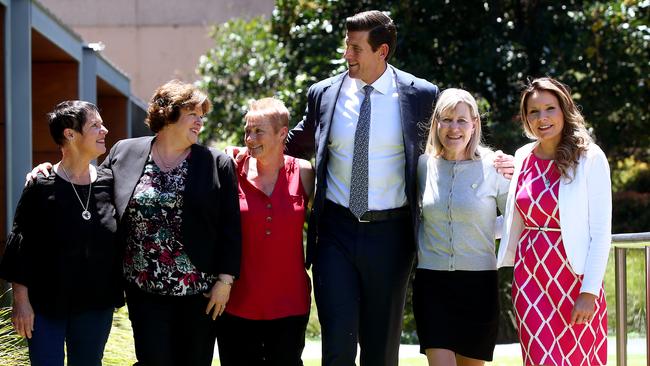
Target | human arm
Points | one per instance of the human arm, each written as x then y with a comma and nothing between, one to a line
15,266
219,295
301,141
504,163
229,254
307,176
502,189
22,313
599,202
43,168
237,153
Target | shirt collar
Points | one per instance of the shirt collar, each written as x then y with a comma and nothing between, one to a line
382,84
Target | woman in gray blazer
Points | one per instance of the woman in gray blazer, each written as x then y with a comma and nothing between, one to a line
178,206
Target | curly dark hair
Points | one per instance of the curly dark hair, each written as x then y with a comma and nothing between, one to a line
169,99
575,138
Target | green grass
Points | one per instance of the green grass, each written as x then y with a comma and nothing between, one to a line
119,350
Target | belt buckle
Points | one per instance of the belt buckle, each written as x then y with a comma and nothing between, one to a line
361,220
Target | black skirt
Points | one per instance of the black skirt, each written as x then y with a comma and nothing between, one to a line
457,310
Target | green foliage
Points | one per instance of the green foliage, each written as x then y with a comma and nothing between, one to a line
631,198
13,348
630,212
600,48
635,293
242,68
630,174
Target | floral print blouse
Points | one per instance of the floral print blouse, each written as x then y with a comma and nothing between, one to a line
155,260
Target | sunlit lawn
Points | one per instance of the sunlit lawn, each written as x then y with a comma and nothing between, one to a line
119,350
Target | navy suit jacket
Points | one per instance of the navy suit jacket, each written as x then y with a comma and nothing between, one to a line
211,226
416,100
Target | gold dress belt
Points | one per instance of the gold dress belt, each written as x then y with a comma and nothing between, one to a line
543,228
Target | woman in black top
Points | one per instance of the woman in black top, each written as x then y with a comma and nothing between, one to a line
61,256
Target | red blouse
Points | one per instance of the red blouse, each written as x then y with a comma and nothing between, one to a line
273,282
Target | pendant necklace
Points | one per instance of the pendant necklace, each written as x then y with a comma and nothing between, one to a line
175,162
547,181
85,214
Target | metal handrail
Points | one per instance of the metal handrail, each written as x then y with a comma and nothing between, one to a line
621,243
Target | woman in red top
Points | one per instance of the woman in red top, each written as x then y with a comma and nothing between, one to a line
265,320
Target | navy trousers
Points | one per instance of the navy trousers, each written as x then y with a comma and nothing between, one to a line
361,272
84,336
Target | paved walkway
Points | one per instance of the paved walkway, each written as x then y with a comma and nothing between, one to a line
313,349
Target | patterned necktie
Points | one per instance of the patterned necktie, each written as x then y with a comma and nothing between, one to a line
359,179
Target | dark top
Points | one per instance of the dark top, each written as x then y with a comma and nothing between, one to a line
210,226
67,263
155,259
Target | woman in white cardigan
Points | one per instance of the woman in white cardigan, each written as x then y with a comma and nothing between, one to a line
557,232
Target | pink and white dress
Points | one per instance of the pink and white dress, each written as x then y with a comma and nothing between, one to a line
544,287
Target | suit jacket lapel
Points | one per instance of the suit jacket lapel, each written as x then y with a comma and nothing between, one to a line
327,107
130,172
407,104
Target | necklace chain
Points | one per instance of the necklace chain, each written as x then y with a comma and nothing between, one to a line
167,166
85,213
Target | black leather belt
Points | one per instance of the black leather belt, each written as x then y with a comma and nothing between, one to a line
369,216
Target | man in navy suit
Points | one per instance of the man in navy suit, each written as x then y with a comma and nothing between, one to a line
361,242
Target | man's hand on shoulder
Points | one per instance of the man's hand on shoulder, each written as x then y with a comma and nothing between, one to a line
504,163
43,168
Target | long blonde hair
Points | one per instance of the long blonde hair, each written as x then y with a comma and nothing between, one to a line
575,138
448,100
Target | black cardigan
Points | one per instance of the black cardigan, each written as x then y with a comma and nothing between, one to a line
211,227
67,263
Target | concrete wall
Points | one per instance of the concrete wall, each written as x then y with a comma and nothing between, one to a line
153,40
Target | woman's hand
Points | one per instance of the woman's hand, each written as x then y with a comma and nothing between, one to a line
219,295
22,314
504,163
583,310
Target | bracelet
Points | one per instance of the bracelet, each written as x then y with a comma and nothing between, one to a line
225,282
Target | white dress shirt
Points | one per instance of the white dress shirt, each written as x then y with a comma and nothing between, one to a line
386,160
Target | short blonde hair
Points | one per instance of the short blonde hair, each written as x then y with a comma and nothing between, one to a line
447,101
269,108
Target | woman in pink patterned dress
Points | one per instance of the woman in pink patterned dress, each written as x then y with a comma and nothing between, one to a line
557,232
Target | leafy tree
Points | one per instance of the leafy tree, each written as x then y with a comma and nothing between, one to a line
599,48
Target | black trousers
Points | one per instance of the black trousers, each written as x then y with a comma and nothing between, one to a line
361,272
171,330
245,342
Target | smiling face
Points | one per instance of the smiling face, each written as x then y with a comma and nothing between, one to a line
363,62
544,117
263,139
455,129
92,140
188,126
